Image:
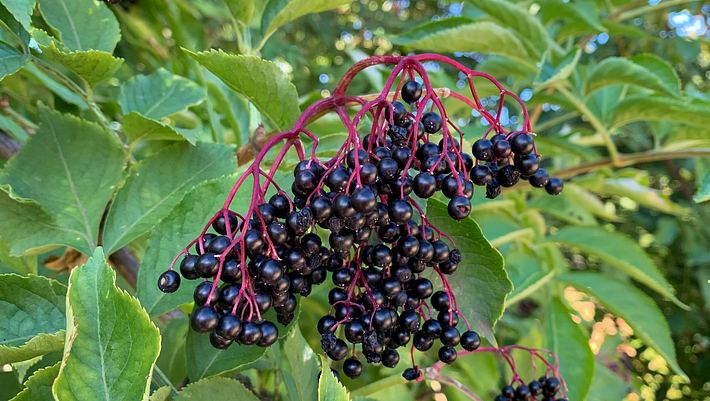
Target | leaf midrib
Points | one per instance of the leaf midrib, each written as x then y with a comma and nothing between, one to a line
71,23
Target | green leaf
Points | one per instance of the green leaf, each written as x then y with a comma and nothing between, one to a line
161,394
21,10
137,128
170,236
82,24
636,191
13,264
636,308
21,220
619,70
158,183
619,251
82,162
526,273
33,317
703,194
159,94
93,66
571,345
204,360
582,198
557,68
260,81
216,388
39,386
583,13
302,365
518,19
661,68
111,343
280,12
11,60
242,10
53,85
481,283
172,360
655,108
330,388
459,34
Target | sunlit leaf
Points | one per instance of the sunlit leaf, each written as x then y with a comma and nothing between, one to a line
82,24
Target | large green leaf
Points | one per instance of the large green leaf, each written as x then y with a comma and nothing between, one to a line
94,66
330,388
661,68
636,190
260,81
22,219
32,308
158,183
583,13
111,343
518,19
11,60
137,127
556,68
82,24
172,360
481,283
170,236
216,388
82,162
159,94
280,12
527,273
21,10
636,308
39,386
619,251
571,345
619,70
204,360
656,108
459,34
302,365
16,264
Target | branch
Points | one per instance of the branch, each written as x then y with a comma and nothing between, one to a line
8,146
632,159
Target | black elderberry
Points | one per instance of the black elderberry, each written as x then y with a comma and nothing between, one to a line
502,148
432,328
450,186
432,122
527,165
231,271
188,267
483,150
550,386
201,292
400,211
387,169
447,354
169,281
281,205
411,91
361,157
342,277
204,319
339,350
220,226
354,331
470,340
450,336
207,265
411,374
399,113
493,190
554,186
410,320
535,388
229,327
269,334
508,176
522,392
250,334
253,241
337,179
383,319
390,357
364,200
352,368
422,342
441,251
508,392
227,295
522,143
539,179
219,342
467,161
382,152
440,301
424,185
270,271
459,207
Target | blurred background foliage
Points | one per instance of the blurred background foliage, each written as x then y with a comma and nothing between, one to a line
619,92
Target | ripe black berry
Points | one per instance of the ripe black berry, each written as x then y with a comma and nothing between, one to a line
204,319
229,327
411,91
447,354
251,333
522,143
411,374
539,179
459,207
432,122
390,358
352,368
169,281
483,150
269,334
554,186
188,267
207,265
470,340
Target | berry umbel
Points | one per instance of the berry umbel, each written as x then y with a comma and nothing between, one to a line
377,249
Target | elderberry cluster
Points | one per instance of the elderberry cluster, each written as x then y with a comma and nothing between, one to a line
381,249
509,158
543,389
